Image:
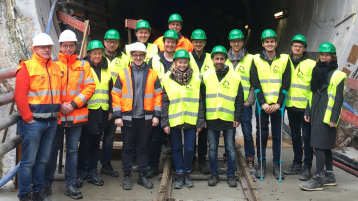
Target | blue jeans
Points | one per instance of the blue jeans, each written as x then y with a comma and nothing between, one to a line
36,147
108,138
276,134
213,138
182,164
246,127
297,122
73,135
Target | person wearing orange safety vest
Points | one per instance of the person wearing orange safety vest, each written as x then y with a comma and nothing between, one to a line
77,87
137,97
175,23
37,95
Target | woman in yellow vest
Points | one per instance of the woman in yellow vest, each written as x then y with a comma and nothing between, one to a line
182,109
100,111
323,111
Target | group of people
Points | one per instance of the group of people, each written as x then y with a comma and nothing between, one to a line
173,87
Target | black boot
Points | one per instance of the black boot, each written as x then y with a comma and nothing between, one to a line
127,181
276,171
108,170
214,180
40,196
144,181
27,197
305,174
295,168
231,180
94,179
314,184
153,171
187,180
179,181
73,192
261,172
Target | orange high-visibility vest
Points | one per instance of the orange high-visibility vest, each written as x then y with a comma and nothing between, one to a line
77,86
45,87
183,43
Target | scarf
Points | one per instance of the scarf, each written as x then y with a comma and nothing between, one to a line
182,77
320,74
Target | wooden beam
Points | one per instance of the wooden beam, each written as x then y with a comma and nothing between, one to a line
67,19
83,51
352,83
349,117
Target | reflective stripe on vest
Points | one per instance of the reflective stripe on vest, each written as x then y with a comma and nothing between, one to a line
100,96
184,100
117,64
243,68
270,76
158,66
300,84
220,96
336,78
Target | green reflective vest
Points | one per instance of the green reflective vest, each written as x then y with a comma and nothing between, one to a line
301,76
100,97
117,64
158,66
336,78
184,100
270,76
220,96
243,68
152,49
206,65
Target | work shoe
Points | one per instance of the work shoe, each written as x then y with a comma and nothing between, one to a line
81,175
250,164
127,182
329,179
203,168
27,197
258,172
305,174
179,181
48,191
295,168
214,180
187,181
40,196
231,180
94,179
314,184
276,171
108,170
73,192
144,181
152,172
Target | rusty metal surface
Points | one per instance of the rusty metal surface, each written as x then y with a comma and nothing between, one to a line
6,98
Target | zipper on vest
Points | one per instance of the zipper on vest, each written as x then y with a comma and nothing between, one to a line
49,78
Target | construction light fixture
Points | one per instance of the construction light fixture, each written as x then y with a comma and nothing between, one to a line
247,27
281,14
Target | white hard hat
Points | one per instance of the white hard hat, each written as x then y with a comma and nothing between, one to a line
67,36
137,46
42,39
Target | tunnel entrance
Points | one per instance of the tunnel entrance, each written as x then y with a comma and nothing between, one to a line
215,17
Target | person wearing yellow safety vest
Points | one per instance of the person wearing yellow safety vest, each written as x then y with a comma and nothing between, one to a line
77,87
271,74
224,99
175,23
323,111
182,110
37,96
161,63
142,32
241,61
100,112
200,61
296,104
137,97
117,61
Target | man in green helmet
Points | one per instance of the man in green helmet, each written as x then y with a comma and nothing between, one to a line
241,61
117,61
271,74
142,32
223,105
175,23
200,61
297,100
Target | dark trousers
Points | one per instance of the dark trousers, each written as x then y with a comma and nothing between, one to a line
108,138
202,146
297,123
155,146
276,134
324,158
136,138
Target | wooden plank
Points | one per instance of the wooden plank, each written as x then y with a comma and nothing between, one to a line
353,55
349,117
83,51
77,24
352,83
166,181
130,23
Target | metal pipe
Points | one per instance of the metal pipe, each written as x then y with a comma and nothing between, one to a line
9,121
9,176
10,145
6,98
345,168
7,73
49,22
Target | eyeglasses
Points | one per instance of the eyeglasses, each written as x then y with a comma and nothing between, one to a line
68,46
114,42
138,55
298,46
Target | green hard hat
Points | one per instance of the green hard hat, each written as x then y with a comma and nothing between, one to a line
219,49
171,34
181,54
95,44
175,17
142,24
327,47
112,34
198,34
236,34
299,38
268,33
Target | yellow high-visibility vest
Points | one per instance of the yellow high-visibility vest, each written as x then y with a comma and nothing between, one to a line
208,63
117,64
100,97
